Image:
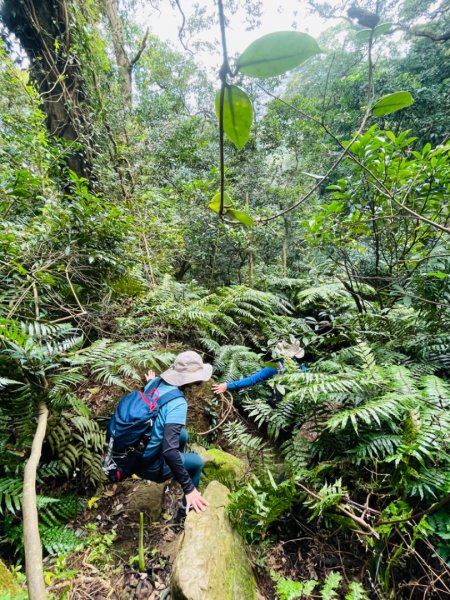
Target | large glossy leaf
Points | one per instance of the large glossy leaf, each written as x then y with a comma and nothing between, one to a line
215,202
363,35
237,115
242,217
235,214
276,53
391,103
382,29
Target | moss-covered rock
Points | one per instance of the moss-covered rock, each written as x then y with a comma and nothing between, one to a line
221,466
143,496
212,563
8,582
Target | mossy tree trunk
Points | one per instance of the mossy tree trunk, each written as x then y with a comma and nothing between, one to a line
45,29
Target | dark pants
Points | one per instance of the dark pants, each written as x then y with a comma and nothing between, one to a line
159,471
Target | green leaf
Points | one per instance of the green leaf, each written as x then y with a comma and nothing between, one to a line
391,103
276,53
438,274
382,29
363,35
237,115
242,217
215,202
407,300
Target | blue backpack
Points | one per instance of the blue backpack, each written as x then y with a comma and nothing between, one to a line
129,429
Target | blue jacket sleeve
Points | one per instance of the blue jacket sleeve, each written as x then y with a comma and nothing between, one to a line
263,375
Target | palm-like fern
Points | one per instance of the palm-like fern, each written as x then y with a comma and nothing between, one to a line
366,412
113,363
233,313
232,361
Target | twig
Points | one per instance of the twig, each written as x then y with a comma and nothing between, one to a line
83,310
181,29
222,421
433,508
344,510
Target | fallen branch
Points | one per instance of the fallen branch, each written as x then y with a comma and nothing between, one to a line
433,508
344,510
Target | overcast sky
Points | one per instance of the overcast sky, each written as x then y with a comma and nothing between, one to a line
275,16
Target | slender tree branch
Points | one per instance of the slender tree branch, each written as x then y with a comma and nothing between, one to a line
138,54
443,37
181,29
323,179
32,540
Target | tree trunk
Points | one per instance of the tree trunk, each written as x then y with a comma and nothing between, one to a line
44,30
250,269
32,541
123,62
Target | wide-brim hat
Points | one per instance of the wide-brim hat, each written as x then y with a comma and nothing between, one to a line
188,367
288,349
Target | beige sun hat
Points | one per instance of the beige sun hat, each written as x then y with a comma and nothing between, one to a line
288,349
187,368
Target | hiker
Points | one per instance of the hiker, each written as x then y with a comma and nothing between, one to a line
284,349
160,455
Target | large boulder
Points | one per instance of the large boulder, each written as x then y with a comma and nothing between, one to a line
211,563
220,466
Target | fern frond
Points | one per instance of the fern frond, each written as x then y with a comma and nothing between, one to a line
377,445
385,409
10,494
254,447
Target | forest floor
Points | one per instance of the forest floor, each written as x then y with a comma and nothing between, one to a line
107,566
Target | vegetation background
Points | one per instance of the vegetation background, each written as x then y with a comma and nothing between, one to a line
136,221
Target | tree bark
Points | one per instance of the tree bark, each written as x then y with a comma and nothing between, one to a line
32,541
125,64
43,28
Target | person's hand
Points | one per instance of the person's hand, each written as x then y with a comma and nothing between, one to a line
219,388
150,375
196,501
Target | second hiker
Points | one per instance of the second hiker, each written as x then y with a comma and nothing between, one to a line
284,349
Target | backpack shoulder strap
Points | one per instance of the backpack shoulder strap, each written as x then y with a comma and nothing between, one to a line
170,395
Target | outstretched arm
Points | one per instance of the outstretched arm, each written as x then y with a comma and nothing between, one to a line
262,375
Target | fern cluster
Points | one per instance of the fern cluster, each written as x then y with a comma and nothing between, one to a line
259,503
235,313
331,589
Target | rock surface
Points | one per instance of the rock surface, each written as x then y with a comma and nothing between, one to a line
212,563
143,496
221,466
8,582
